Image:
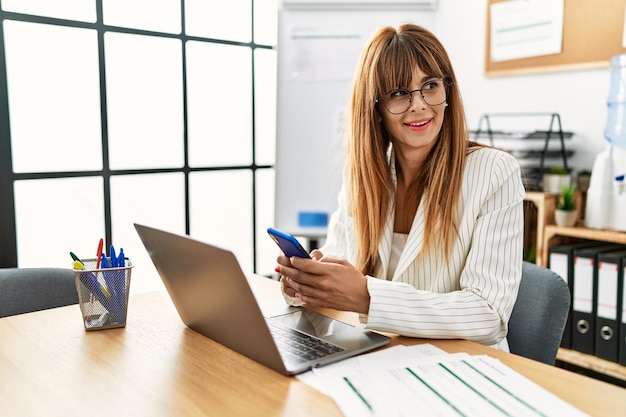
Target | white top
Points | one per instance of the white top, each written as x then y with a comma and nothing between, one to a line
397,245
472,296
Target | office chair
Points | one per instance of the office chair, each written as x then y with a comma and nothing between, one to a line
539,315
23,290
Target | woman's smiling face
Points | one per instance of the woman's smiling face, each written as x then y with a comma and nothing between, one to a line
419,126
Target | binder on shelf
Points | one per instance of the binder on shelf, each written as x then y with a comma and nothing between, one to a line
561,261
622,315
585,293
608,304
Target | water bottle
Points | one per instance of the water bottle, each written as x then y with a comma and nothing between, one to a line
606,196
615,130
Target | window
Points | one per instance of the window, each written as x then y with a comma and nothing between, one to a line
122,111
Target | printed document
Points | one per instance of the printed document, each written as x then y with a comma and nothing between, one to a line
400,380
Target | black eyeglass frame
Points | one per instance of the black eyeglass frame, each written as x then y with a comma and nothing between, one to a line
447,84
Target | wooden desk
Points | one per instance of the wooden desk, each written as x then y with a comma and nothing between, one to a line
155,366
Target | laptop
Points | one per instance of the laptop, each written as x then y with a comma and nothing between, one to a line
213,297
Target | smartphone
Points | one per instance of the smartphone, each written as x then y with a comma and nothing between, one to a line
287,243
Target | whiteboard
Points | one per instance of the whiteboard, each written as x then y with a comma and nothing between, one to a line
318,51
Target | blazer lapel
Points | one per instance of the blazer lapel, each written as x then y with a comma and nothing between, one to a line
384,249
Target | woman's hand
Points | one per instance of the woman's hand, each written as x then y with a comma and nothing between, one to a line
284,260
324,282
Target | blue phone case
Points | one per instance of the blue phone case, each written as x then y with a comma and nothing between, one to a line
287,243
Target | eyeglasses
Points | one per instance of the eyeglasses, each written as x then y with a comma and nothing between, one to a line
433,92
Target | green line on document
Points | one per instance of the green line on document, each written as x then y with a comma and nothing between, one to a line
502,410
504,389
524,27
459,412
356,391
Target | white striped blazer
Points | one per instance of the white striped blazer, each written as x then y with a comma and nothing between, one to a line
470,297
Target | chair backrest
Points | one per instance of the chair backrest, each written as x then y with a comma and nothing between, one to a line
539,315
23,290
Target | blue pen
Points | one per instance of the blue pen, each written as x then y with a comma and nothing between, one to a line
113,257
105,261
90,281
121,262
120,281
108,278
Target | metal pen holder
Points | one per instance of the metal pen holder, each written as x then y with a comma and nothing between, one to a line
103,294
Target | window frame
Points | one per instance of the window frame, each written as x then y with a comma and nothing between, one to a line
8,237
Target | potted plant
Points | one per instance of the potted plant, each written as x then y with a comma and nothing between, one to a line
555,179
565,213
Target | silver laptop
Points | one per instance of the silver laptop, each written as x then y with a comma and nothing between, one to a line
213,297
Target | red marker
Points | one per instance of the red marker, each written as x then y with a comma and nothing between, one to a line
99,254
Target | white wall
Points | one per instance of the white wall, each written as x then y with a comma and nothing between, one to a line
578,96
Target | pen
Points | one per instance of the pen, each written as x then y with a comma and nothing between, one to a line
80,266
109,278
100,244
90,281
120,279
113,257
121,262
76,259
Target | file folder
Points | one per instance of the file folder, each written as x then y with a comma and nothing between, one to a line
585,293
608,305
622,315
561,262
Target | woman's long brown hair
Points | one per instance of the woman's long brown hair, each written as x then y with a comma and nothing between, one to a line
389,61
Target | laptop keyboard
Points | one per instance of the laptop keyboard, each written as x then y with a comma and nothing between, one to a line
296,347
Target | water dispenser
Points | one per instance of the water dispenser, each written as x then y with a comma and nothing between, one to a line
606,196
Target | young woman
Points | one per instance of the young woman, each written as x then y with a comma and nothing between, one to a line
427,239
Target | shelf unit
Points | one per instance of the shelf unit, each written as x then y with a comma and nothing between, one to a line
544,204
552,231
592,363
553,235
520,143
